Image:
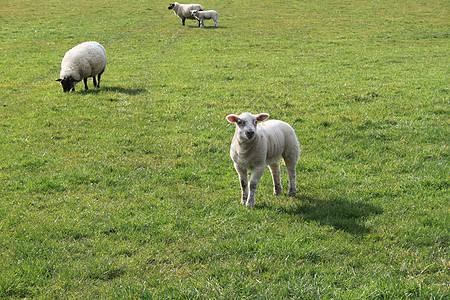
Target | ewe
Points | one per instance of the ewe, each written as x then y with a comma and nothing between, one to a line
254,147
183,11
85,60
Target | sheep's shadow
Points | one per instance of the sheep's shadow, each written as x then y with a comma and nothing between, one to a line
115,89
344,215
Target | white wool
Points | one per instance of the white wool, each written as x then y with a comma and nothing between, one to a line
206,15
256,146
85,60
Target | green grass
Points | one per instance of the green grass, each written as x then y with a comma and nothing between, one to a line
129,191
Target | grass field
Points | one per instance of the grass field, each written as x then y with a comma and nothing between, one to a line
129,191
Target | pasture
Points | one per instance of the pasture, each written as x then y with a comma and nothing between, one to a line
128,191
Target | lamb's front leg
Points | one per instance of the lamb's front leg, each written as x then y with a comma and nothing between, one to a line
254,180
243,179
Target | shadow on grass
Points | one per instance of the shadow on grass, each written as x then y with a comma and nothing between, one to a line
207,27
344,215
115,89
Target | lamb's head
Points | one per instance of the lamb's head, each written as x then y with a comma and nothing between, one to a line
171,6
68,83
246,124
194,13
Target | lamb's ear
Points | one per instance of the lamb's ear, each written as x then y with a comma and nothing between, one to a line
232,118
59,79
261,117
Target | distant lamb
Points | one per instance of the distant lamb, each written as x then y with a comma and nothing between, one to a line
85,60
253,147
206,15
183,11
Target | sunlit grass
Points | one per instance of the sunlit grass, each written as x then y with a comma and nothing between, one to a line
129,191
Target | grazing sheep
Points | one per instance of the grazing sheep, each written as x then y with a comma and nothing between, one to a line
183,11
85,60
253,147
206,15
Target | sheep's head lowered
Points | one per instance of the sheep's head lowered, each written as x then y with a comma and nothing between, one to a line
246,124
68,83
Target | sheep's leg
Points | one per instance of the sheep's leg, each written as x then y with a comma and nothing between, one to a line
254,180
243,179
200,23
276,176
99,76
85,83
183,20
292,181
94,81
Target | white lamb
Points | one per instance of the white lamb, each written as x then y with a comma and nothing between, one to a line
206,15
85,60
183,11
254,147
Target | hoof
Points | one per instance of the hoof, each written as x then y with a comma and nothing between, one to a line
250,204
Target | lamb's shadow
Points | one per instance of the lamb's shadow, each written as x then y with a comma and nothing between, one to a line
115,89
344,215
207,27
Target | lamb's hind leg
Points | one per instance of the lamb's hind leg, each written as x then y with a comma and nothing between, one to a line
276,176
292,178
85,83
94,81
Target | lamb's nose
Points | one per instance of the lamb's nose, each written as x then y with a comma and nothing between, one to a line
250,134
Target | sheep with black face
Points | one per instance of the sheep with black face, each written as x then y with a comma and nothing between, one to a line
85,60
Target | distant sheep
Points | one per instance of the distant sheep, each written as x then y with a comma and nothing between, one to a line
254,147
183,11
85,60
206,15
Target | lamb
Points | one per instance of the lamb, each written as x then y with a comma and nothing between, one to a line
206,15
253,147
85,60
183,11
